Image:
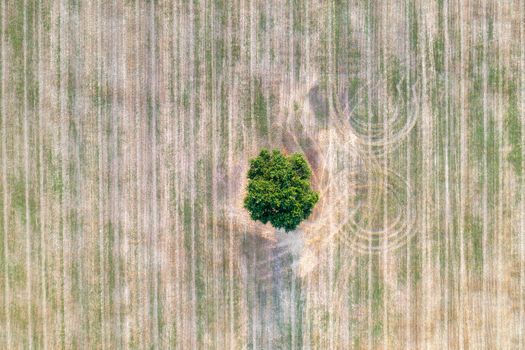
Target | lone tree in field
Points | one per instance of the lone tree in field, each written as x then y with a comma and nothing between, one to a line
279,189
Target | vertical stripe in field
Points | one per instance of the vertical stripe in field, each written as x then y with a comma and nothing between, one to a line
521,330
215,114
409,307
100,193
154,259
230,82
5,217
42,198
384,110
499,231
63,156
463,131
425,135
330,255
447,213
192,190
26,187
369,78
484,199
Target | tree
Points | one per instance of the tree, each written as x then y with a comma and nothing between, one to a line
279,189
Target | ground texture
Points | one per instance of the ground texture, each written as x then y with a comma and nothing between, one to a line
125,133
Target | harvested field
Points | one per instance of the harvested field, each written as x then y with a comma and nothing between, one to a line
126,128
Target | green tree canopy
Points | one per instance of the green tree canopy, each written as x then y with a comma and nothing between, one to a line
279,189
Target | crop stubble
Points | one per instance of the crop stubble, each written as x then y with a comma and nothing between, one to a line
126,131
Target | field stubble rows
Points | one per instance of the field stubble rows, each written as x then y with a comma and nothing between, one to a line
126,129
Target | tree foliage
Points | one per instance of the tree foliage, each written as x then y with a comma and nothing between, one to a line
279,189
